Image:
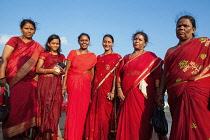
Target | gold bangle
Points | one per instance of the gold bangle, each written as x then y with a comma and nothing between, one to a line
112,92
63,88
118,87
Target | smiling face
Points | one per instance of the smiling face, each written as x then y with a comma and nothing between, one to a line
84,42
54,45
107,43
28,31
184,29
139,42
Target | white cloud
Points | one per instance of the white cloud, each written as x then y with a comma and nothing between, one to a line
4,38
64,41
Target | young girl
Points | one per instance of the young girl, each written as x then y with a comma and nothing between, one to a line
50,87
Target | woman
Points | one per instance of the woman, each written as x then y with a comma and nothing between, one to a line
80,71
139,77
103,91
186,77
50,87
19,59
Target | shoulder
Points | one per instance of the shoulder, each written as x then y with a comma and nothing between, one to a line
13,40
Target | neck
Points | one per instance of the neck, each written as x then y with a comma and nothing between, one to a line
108,52
26,39
138,51
83,51
182,42
53,52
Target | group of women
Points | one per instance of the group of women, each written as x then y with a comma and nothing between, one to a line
92,83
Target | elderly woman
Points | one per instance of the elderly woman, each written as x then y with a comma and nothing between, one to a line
17,68
186,78
139,76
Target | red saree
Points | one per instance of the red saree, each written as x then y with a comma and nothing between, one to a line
20,72
99,116
50,94
136,110
187,79
78,89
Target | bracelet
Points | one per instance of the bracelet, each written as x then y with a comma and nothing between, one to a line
64,88
118,87
2,77
112,92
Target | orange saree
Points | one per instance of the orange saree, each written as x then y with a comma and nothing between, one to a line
78,89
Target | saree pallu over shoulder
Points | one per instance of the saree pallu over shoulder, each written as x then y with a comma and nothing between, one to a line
142,66
22,61
184,65
110,67
188,88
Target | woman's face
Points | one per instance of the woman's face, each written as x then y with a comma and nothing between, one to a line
84,42
184,29
54,45
139,42
107,43
28,30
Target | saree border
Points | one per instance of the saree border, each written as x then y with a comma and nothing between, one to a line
102,81
23,71
12,131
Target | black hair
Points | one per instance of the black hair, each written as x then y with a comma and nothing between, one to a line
24,21
110,36
192,20
82,35
50,38
141,33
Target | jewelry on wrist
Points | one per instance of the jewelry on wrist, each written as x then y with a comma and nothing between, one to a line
64,88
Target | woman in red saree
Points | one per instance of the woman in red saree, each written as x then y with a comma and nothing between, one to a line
79,70
50,87
187,77
103,90
139,77
20,56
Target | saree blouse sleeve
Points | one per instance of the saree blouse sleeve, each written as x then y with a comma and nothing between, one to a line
71,55
42,56
12,42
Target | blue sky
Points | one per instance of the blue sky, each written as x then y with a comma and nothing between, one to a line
120,18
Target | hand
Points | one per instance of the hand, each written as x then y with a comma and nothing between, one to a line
160,101
56,71
110,96
120,94
62,71
63,92
3,82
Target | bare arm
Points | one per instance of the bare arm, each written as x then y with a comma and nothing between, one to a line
39,68
5,55
160,95
68,65
112,92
